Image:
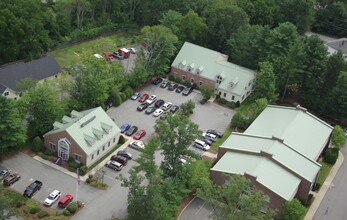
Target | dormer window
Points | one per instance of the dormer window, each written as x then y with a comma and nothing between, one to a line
182,64
191,67
233,82
199,70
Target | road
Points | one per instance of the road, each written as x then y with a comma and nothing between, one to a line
333,205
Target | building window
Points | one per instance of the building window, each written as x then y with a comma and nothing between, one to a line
184,77
109,143
52,146
249,83
192,80
97,153
225,94
77,157
243,97
6,93
92,156
103,148
233,97
114,140
200,83
189,69
245,88
220,93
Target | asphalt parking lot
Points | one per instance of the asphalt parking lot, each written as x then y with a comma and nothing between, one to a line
197,210
207,116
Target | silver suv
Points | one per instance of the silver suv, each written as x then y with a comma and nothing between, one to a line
166,106
114,165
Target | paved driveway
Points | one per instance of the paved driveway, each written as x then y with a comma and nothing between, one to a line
196,210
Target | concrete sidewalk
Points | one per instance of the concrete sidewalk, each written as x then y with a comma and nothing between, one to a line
97,167
318,197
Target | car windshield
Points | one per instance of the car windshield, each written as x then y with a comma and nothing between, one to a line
50,197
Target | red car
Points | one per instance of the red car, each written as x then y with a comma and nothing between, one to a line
139,134
63,202
144,97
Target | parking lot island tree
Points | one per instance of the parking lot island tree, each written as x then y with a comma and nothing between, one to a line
176,132
12,132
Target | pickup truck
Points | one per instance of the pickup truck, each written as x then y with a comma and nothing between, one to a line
32,188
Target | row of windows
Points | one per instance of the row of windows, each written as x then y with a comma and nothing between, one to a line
191,80
103,148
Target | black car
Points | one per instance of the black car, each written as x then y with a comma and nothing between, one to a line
156,81
142,106
159,103
187,91
173,86
215,132
150,110
125,154
131,130
32,188
117,55
164,84
174,109
207,141
179,89
120,159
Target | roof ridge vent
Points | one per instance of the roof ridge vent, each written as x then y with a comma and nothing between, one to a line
278,139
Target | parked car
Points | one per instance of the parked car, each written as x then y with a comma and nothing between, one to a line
125,154
158,112
136,145
32,188
4,173
162,116
174,108
142,106
159,103
98,56
120,159
157,81
52,198
166,106
207,141
114,165
164,84
150,110
118,55
215,132
132,50
179,89
144,97
187,91
135,96
140,134
131,131
10,179
201,145
151,99
173,86
210,136
63,202
124,127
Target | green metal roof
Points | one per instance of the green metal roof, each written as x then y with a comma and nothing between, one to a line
267,173
281,152
213,64
298,128
91,129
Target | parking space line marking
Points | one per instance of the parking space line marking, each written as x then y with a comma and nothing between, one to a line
199,208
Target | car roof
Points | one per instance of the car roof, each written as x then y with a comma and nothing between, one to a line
54,193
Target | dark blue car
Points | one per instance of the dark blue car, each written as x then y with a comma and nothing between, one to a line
124,127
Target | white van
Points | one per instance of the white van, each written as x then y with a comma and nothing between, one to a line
200,144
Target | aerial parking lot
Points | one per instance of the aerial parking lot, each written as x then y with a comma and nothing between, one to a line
207,116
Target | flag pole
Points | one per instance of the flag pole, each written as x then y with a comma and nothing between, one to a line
77,183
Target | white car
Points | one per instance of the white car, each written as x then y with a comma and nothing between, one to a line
210,136
151,99
202,145
136,144
52,198
132,50
166,106
158,112
97,56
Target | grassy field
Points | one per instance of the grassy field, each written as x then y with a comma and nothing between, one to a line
72,54
324,171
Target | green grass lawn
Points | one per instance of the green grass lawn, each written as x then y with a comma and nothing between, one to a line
219,141
72,54
324,171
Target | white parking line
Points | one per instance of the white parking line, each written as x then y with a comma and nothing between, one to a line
199,208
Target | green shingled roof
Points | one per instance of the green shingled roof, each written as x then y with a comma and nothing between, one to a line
91,129
267,172
213,64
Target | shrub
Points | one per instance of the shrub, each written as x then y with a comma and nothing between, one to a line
45,157
222,101
123,97
66,212
203,101
42,214
172,78
83,170
316,187
49,152
121,140
330,155
238,104
34,209
117,100
128,92
72,207
37,144
231,104
19,204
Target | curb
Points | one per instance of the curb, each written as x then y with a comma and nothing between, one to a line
324,188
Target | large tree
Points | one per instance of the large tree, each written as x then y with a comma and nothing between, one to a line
338,137
160,47
191,28
293,210
337,103
12,131
259,12
265,84
176,132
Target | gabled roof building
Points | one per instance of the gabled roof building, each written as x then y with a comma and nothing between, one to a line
203,66
84,136
278,153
